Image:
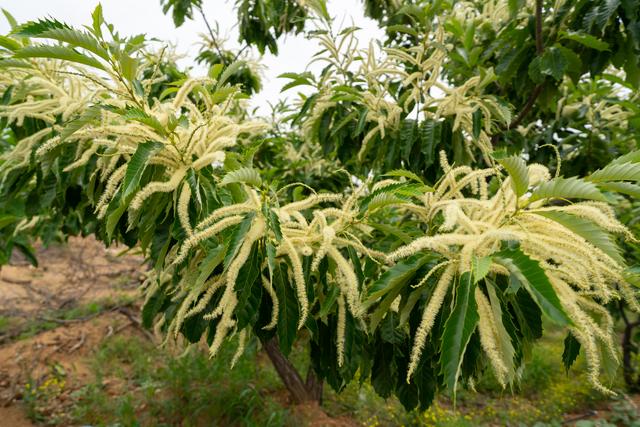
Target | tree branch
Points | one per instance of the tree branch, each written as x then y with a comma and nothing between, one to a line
213,37
526,108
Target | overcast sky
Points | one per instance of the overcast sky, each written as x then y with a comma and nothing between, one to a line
145,16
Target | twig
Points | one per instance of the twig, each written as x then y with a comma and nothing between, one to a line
16,281
79,344
213,37
539,51
538,89
135,321
580,417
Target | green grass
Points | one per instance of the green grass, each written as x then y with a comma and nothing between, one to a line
6,323
52,319
137,384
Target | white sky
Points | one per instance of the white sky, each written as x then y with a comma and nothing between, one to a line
132,17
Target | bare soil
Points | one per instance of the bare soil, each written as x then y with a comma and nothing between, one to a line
69,276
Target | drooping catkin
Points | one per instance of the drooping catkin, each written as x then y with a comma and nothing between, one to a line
158,187
183,209
429,316
340,332
298,278
350,286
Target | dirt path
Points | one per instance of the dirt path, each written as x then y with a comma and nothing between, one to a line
44,351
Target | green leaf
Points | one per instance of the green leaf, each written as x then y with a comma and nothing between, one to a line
136,166
571,351
430,134
382,200
516,167
237,238
58,52
138,115
405,174
588,230
274,225
480,267
632,190
249,289
76,39
128,67
9,43
213,259
534,279
585,39
243,175
88,116
567,188
553,63
97,20
616,172
631,157
395,276
458,330
390,284
10,19
34,28
288,315
7,219
229,71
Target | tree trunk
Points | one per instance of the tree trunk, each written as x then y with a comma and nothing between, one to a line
300,391
631,379
627,350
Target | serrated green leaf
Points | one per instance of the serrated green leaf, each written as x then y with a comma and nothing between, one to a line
585,39
405,174
136,114
458,330
616,172
553,63
13,63
631,157
249,289
288,312
571,351
243,175
89,115
136,166
58,52
567,188
628,188
76,39
237,238
534,279
128,67
230,70
390,284
34,28
213,259
10,19
382,200
480,267
516,167
97,20
9,43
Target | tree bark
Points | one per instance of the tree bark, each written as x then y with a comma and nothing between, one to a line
314,385
300,391
628,371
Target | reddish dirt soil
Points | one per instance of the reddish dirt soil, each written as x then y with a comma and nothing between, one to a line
69,276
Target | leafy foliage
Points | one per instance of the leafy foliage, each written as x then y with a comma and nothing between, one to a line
342,220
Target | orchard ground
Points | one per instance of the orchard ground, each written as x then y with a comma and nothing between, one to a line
72,352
